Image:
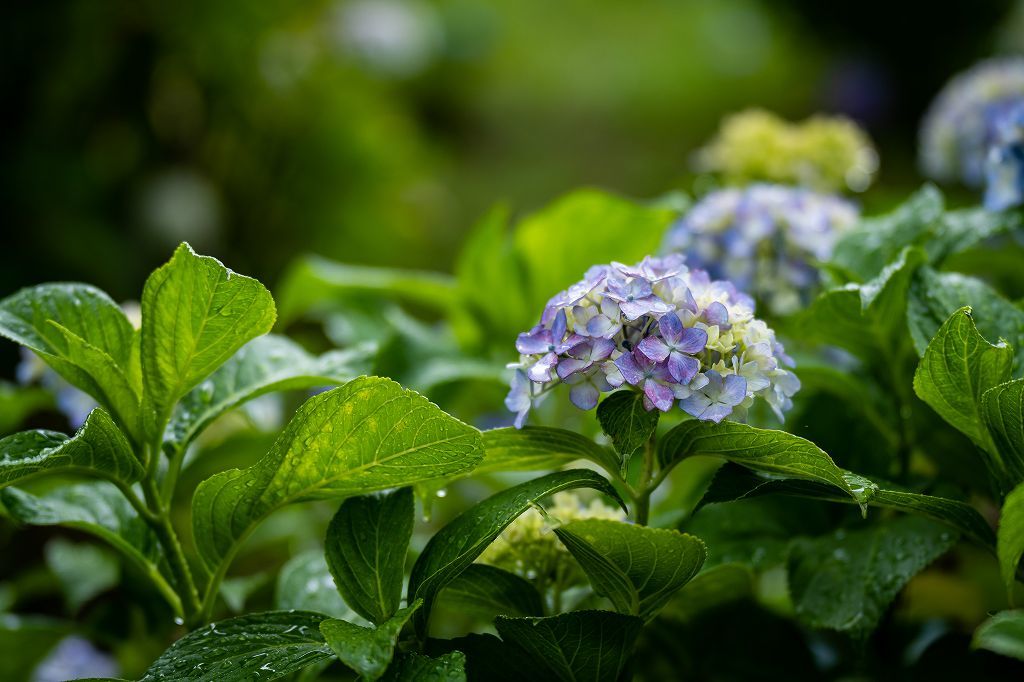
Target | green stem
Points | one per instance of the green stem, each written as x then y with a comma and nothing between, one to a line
642,495
161,524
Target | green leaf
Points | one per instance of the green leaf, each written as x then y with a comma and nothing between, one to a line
84,570
876,241
195,314
83,335
491,277
265,364
556,253
539,447
624,419
934,296
368,651
313,281
1010,542
636,567
367,541
452,549
491,591
1003,633
99,448
305,584
866,319
733,482
1002,409
764,450
847,580
413,667
958,366
260,646
576,646
368,435
956,231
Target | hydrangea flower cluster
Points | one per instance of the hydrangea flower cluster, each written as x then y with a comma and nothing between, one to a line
528,548
824,153
764,239
668,331
972,131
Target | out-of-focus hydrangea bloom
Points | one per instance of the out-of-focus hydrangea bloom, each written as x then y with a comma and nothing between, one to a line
824,153
972,131
74,658
529,548
661,328
764,239
1004,166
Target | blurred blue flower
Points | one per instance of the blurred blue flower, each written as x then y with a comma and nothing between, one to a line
963,122
1004,167
764,238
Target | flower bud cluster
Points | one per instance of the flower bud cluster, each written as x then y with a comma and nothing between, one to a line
661,328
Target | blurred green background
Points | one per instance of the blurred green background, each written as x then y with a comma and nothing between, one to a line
377,131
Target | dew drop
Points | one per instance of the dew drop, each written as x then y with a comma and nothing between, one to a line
441,493
179,621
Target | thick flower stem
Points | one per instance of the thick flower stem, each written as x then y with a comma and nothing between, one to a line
642,497
168,537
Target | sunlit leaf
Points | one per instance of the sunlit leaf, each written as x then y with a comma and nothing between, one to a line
636,567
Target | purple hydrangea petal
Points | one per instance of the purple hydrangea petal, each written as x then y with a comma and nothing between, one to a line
654,349
716,314
671,328
630,370
601,349
569,366
558,327
661,396
696,404
540,372
534,342
584,395
734,390
682,368
715,412
693,340
599,325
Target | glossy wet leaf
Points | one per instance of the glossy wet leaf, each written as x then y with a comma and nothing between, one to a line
1002,410
195,314
582,645
366,544
623,418
260,646
636,567
368,435
84,336
97,508
265,364
847,580
1010,538
865,250
957,367
413,667
306,584
866,319
366,650
935,296
491,591
1003,633
452,549
98,449
764,450
733,482
540,447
